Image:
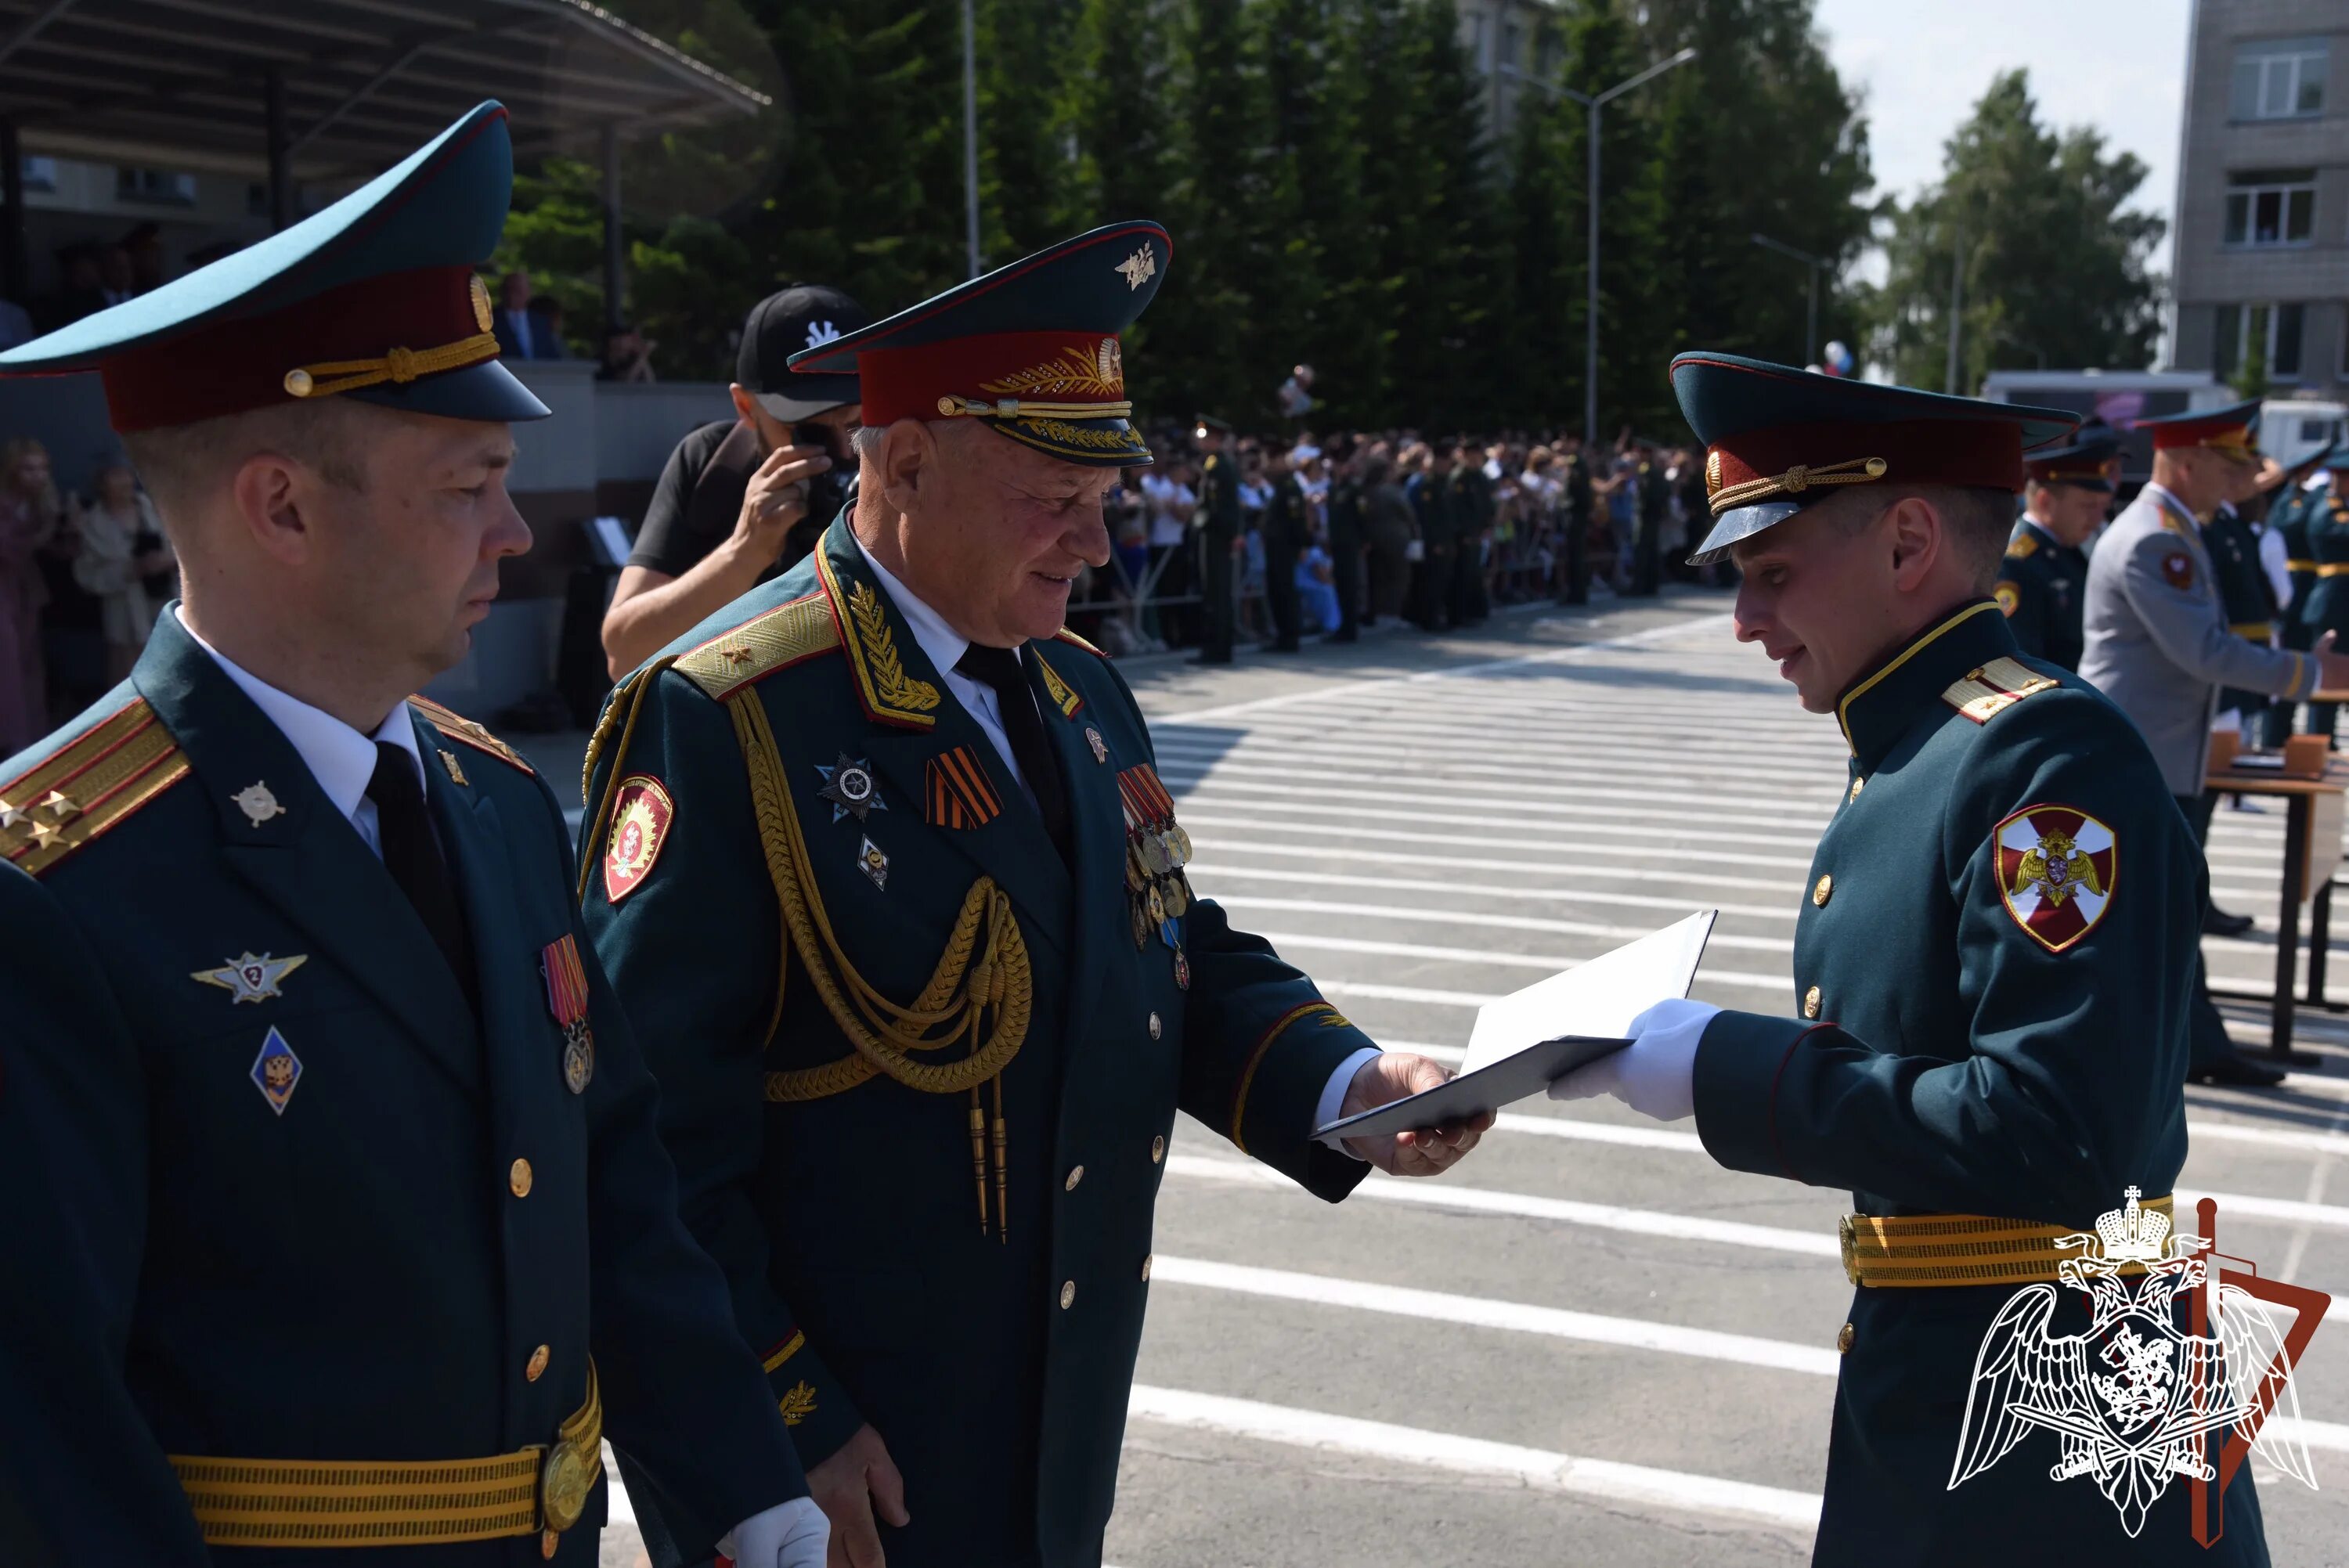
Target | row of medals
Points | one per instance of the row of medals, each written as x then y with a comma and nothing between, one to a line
1159,893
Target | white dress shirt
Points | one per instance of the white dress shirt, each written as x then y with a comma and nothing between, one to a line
944,647
339,758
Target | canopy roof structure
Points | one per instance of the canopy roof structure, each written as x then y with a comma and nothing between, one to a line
332,90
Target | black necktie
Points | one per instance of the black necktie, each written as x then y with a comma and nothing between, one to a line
411,853
999,669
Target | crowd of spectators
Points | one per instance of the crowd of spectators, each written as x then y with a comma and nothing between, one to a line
1432,530
82,577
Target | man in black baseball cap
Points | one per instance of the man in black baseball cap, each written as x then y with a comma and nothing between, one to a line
744,498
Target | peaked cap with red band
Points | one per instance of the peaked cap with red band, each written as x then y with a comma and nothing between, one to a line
2232,429
1778,439
373,298
1030,350
2088,464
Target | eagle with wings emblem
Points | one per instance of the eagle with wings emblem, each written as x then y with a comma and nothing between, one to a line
2057,869
2132,1399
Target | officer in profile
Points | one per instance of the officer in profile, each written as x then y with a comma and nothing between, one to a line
339,1218
2159,644
1991,1050
743,500
880,858
2044,581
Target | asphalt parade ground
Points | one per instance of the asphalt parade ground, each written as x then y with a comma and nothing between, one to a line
1590,1344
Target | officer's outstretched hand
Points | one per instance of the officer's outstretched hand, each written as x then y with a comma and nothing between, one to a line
1430,1152
853,1485
787,1535
1655,1075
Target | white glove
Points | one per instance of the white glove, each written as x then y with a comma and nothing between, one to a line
792,1535
1655,1075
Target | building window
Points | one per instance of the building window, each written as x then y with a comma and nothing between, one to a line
39,173
2270,207
1512,42
2277,329
160,186
1480,32
2283,79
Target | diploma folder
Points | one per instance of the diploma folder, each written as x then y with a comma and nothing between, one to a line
1527,1040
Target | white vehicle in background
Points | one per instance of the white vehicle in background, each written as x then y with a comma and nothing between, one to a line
2293,429
2120,397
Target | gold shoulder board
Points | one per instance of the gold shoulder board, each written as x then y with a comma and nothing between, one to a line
2022,547
457,726
1993,688
1066,636
86,786
760,646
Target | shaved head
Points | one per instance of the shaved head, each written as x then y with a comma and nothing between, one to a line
184,467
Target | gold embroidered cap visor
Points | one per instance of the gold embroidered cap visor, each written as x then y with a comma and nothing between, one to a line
374,298
1032,350
1778,439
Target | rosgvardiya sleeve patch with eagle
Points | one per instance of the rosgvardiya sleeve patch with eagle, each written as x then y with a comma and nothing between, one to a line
2056,868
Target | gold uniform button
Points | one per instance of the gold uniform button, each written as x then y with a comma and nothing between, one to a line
1076,1174
518,1179
1811,1003
537,1368
1843,1337
1824,890
1145,1268
1067,1293
1156,1028
1158,1150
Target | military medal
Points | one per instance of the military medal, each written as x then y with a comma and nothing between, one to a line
873,863
1140,924
276,1070
1173,896
849,787
251,979
566,998
1100,747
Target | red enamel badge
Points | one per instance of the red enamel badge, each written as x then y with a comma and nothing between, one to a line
2178,570
640,818
2055,868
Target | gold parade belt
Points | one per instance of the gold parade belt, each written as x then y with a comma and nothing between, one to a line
1892,1251
2331,568
364,1503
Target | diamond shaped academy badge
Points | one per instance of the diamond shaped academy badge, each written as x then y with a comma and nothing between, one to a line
2056,868
276,1070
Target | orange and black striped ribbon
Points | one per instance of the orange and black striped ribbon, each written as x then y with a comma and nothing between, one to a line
566,980
959,795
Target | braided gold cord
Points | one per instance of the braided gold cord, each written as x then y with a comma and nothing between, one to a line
883,1036
398,366
1797,479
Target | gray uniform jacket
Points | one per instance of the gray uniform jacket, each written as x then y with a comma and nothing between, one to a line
2157,639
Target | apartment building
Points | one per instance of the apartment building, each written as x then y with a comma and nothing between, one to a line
2262,213
1504,41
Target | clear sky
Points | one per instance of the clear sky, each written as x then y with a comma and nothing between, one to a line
2118,64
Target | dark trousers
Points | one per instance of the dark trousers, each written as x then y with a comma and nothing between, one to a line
1179,624
2205,1031
1215,592
1467,599
1280,590
1346,577
1431,588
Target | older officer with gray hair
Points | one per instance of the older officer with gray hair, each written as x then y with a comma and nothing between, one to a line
2160,646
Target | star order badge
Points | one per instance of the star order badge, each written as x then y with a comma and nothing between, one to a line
641,813
2055,871
566,998
849,787
251,978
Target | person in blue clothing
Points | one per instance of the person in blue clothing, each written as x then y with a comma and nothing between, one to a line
339,1230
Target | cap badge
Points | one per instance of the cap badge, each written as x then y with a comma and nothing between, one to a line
481,293
820,333
1712,472
1111,360
1140,267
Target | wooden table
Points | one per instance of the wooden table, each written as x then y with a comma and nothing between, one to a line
2302,798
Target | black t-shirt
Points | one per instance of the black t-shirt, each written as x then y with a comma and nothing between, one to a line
698,497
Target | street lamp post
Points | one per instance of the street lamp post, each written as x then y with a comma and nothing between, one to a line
1590,324
1816,263
970,132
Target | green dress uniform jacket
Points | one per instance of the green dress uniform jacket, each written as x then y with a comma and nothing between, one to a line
2245,593
806,859
2291,517
2042,586
1969,1045
281,1194
2327,609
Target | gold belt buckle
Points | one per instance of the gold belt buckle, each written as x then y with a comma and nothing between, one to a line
572,1463
1844,1240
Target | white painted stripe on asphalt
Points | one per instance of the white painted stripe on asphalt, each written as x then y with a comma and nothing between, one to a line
1385,1189
1324,694
1607,1480
1671,840
1619,933
1646,852
1539,793
1590,1329
1370,991
1211,869
1566,809
2283,1210
1552,963
1363,852
618,1509
1478,1311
